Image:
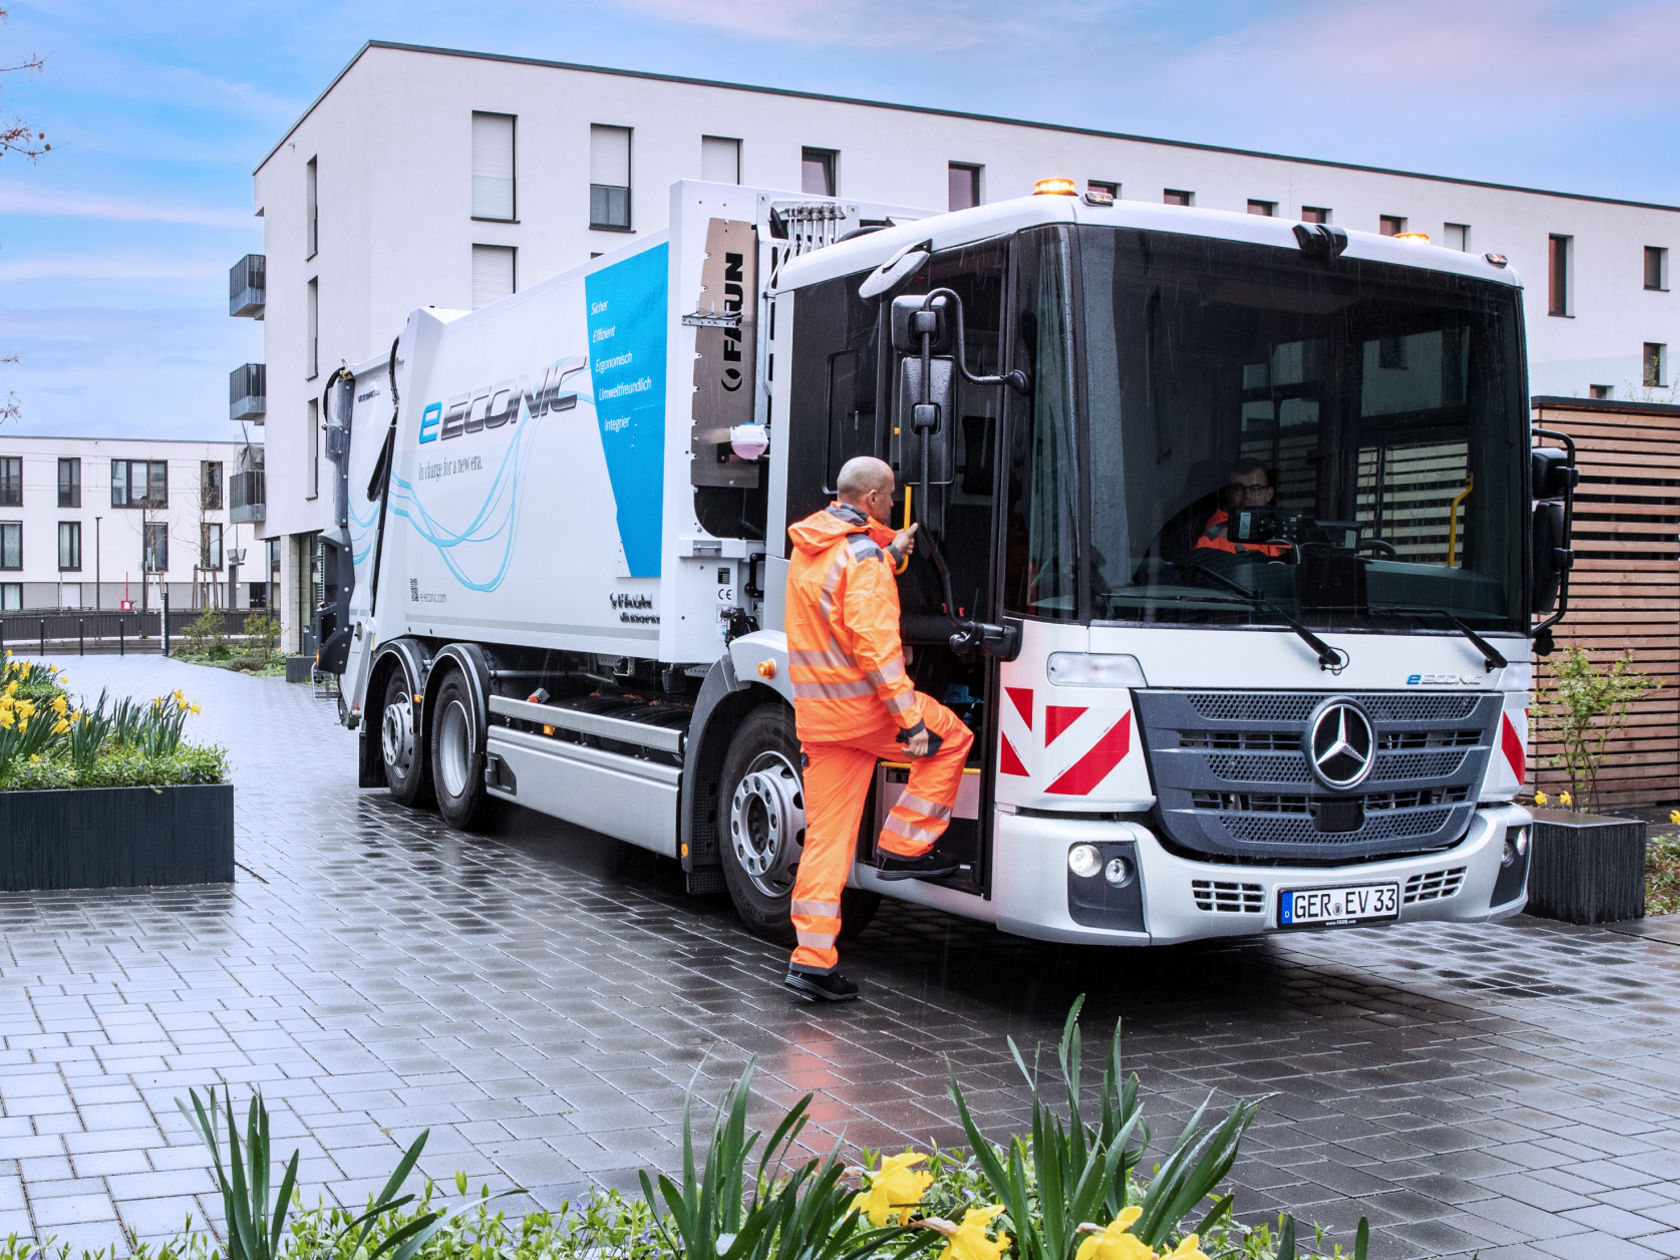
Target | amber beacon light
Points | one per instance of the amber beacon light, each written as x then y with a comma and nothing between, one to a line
1055,188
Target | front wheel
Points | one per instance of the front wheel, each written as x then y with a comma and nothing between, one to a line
399,742
457,756
761,817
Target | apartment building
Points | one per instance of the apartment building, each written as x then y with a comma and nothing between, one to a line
93,522
426,176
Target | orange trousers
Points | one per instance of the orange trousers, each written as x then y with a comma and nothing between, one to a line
837,779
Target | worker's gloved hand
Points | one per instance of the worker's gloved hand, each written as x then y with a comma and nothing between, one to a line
917,745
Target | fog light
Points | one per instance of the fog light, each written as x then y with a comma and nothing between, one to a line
1084,860
1508,855
1118,871
1522,841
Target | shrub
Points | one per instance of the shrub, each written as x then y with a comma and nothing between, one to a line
208,633
1581,708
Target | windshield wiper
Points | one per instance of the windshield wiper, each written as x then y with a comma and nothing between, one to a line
1491,656
1333,659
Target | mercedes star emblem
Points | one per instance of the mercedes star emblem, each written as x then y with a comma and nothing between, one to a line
1341,745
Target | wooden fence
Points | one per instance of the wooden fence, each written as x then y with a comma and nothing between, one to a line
1625,590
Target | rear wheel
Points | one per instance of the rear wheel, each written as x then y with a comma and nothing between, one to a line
457,756
399,744
761,817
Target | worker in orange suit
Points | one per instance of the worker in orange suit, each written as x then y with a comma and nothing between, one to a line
853,704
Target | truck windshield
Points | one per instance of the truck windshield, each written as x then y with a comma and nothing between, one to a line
1270,435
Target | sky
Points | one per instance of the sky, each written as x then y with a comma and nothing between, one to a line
115,246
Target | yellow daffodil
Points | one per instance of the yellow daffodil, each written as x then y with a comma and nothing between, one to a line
194,709
968,1241
1189,1249
7,721
23,726
894,1189
1674,817
11,688
60,726
60,705
34,758
1116,1242
1566,800
52,669
1540,798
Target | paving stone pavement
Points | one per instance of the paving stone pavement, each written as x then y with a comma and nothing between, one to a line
541,1000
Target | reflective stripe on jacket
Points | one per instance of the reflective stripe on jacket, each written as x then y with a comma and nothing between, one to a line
845,659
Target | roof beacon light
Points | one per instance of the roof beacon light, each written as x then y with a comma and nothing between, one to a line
1055,188
1413,238
1498,260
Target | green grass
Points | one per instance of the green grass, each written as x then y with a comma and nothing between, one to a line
1662,873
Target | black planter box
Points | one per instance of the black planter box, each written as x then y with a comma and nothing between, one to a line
1586,868
116,837
299,668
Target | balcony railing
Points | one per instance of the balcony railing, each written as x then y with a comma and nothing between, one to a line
246,497
248,392
247,283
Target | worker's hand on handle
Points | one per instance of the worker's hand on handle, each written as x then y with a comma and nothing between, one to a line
917,745
905,542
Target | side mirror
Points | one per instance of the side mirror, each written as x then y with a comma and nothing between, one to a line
924,414
1552,557
1551,472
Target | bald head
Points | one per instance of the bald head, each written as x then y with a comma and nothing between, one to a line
866,483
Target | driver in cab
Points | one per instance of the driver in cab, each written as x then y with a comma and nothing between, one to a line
1250,487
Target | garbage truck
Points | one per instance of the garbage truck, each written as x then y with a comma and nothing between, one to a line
1237,549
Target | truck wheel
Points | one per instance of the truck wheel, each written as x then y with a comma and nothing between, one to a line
761,821
457,756
399,747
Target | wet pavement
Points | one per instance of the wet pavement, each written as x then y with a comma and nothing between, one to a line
541,1001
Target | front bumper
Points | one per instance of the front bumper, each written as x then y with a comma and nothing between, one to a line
1188,900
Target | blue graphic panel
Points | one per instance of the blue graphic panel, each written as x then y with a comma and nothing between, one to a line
627,312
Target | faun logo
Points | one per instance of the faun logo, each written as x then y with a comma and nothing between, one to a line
491,406
630,601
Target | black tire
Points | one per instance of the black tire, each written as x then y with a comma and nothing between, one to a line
399,743
457,754
761,806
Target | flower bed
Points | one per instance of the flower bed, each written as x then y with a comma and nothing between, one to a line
106,794
1071,1189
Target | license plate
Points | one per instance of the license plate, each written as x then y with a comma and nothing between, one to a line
1330,907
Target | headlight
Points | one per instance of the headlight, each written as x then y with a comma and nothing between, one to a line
1084,860
1520,839
1087,669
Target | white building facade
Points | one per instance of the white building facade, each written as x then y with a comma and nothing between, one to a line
89,523
432,177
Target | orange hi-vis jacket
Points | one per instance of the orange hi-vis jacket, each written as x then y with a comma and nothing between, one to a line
845,659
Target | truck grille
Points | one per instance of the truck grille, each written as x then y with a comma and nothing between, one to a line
1232,776
1218,897
1433,885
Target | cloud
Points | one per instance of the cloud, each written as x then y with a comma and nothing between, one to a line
65,203
115,267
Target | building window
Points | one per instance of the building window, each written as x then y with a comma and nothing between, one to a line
11,596
314,327
492,273
819,172
139,483
69,545
1177,197
156,558
312,450
11,481
1103,187
1656,267
720,160
210,545
492,166
1315,214
311,212
1599,391
210,485
1266,209
1655,369
11,544
609,178
70,483
1558,250
962,183
1456,236
1391,224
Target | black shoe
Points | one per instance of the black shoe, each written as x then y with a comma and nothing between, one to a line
931,865
828,986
